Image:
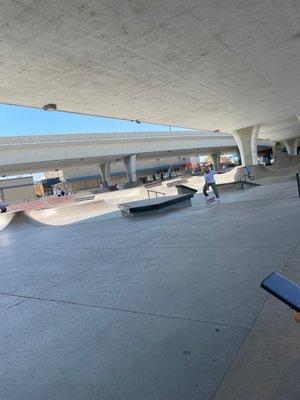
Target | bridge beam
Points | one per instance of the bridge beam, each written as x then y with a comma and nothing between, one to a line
246,139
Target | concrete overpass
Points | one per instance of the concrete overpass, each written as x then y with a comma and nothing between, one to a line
27,154
195,64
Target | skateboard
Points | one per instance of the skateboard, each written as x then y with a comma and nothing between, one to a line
210,200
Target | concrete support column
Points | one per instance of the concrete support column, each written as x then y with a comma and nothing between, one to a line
216,159
105,173
297,145
246,139
130,167
292,146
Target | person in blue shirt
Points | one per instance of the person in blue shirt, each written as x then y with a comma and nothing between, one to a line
209,177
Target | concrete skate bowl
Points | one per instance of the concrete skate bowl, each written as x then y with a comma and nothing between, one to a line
56,216
104,203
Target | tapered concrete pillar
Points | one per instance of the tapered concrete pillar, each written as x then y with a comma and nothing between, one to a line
216,159
297,145
246,139
292,146
130,167
105,173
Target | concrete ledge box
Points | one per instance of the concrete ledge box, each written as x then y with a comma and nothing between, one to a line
239,185
183,189
155,205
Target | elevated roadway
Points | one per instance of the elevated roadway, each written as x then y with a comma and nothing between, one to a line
27,154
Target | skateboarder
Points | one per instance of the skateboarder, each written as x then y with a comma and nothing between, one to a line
209,177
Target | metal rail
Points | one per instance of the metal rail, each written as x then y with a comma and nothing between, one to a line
246,178
156,193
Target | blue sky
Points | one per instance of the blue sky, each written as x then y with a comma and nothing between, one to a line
17,121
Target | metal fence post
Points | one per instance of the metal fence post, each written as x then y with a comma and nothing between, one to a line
298,183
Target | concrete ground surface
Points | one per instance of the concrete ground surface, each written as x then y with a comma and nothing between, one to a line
161,307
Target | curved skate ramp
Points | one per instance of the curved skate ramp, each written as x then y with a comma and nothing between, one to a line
56,216
70,213
5,219
17,220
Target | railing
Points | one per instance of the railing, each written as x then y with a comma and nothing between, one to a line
246,178
156,193
23,140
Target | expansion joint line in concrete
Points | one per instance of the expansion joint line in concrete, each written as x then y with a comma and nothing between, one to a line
73,303
291,255
248,330
238,350
14,305
93,266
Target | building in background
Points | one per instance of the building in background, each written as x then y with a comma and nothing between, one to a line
17,189
54,174
48,184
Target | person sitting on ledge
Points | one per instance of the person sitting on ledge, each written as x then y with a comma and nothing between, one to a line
296,316
2,205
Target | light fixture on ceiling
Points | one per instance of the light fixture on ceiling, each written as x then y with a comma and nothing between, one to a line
50,107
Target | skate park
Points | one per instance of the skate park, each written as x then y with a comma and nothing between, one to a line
161,293
165,305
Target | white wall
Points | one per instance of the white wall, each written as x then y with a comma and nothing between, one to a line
17,189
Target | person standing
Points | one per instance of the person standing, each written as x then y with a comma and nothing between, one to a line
209,177
2,205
